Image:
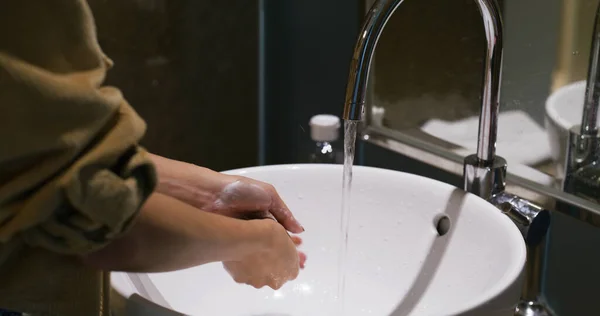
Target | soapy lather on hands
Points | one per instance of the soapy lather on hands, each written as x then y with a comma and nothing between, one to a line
228,195
193,218
236,197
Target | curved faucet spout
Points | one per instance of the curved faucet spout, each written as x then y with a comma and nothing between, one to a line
582,165
372,28
589,121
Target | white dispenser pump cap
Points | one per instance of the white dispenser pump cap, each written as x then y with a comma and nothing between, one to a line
324,128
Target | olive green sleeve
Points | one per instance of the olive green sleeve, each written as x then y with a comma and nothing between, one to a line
72,175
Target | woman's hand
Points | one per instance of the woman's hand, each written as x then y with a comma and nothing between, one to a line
232,196
171,235
229,195
242,197
274,264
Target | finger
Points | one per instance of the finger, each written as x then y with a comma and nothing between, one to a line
297,240
283,214
302,259
294,274
276,283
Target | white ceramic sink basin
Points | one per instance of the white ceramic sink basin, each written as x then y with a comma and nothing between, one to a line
397,263
564,109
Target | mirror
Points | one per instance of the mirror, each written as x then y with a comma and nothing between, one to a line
427,73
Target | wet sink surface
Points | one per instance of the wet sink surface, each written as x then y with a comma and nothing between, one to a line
398,264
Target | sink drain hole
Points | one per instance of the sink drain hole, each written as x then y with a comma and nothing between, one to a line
442,224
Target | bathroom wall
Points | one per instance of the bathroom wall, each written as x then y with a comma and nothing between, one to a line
430,58
428,63
577,20
532,31
307,52
190,68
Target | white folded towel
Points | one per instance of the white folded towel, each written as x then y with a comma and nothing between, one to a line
521,141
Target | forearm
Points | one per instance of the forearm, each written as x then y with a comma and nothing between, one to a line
170,235
229,195
186,182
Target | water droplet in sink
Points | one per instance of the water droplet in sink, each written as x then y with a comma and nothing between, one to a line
302,289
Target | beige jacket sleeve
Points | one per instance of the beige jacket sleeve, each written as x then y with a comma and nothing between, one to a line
72,175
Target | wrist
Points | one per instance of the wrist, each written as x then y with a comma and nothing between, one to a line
185,190
254,237
189,183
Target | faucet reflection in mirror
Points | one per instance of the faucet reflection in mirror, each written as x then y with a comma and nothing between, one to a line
484,173
582,166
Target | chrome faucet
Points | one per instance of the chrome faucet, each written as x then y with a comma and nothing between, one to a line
484,173
582,166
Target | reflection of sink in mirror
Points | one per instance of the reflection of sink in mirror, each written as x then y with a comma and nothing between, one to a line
397,262
564,109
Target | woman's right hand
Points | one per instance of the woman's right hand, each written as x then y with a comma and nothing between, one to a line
275,261
170,235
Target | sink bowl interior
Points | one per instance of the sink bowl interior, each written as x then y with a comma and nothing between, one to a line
397,262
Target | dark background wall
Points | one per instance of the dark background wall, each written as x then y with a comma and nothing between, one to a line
308,48
190,68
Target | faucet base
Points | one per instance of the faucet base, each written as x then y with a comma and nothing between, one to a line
532,308
484,179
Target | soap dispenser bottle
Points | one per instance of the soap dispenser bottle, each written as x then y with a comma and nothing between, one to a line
324,131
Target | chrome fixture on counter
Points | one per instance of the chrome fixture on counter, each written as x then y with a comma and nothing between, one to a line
484,173
582,166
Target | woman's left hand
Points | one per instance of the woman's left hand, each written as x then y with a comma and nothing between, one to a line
245,198
229,195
